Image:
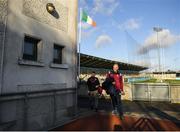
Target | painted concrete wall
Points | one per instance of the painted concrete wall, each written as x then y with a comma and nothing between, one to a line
30,17
18,24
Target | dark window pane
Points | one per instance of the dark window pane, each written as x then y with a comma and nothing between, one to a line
57,54
30,48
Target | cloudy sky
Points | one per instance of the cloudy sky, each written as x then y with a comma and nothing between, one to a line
124,31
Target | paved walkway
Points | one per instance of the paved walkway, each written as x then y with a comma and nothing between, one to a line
138,116
103,121
157,110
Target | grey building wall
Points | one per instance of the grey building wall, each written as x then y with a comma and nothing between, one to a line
37,95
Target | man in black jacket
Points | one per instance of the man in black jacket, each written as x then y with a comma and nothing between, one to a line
93,84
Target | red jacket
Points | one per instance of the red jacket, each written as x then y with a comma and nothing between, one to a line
117,78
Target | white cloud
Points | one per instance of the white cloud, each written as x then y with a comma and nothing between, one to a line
165,37
130,24
106,7
103,40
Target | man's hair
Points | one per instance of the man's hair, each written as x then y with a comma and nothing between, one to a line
93,72
116,64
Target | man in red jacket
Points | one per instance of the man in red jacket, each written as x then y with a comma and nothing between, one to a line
116,90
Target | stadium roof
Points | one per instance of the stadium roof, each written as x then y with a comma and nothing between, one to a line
97,62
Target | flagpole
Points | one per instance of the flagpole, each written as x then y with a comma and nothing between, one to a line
79,45
78,57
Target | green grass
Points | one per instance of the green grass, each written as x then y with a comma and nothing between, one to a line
147,81
156,81
172,81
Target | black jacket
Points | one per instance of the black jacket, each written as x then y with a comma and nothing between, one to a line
92,82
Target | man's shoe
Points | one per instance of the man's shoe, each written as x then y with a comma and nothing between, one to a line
113,112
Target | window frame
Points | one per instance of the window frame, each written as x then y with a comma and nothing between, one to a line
29,62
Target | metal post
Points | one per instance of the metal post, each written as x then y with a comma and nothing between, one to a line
169,90
158,29
163,63
79,46
149,91
132,86
159,58
79,58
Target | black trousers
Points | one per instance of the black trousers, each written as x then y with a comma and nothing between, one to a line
116,101
93,99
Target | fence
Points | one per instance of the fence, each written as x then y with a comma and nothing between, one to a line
151,92
145,92
156,92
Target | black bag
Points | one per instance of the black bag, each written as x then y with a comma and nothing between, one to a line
112,90
105,85
108,86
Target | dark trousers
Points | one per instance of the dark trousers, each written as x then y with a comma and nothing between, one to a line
116,101
93,99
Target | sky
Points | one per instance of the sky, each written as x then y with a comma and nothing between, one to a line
124,31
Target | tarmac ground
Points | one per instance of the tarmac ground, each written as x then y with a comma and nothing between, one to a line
139,115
